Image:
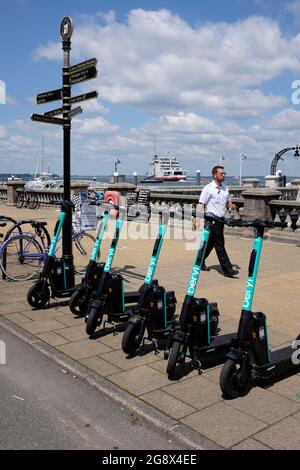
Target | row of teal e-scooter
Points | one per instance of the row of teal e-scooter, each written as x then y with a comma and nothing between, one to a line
149,313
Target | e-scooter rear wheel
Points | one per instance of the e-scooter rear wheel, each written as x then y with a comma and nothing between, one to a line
131,338
93,320
76,303
231,382
173,358
38,295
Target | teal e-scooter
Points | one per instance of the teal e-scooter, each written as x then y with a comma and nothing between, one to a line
250,361
81,298
156,307
194,334
56,274
109,297
82,294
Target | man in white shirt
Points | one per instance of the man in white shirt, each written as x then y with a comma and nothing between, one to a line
216,199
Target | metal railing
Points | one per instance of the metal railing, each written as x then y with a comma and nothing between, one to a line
3,193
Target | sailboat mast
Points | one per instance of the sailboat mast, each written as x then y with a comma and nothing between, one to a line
43,154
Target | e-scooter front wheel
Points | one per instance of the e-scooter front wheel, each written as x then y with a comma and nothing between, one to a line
131,338
232,383
76,303
173,358
38,295
94,319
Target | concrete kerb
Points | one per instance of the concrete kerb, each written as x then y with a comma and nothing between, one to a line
157,420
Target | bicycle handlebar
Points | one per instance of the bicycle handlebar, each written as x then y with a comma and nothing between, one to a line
34,223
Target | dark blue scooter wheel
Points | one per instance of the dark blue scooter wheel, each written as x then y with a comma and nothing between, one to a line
231,382
38,295
131,338
76,303
173,358
93,320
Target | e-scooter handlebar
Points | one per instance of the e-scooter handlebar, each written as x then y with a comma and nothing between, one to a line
256,223
208,216
107,207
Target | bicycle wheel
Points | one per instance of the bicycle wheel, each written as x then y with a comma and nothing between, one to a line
33,201
21,258
20,200
83,243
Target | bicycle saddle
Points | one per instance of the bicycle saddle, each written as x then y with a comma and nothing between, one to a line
36,223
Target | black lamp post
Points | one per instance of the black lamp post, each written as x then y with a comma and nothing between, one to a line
278,156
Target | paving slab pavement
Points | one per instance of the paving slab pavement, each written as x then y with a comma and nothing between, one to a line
264,419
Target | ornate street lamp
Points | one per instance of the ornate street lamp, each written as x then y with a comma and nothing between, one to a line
278,155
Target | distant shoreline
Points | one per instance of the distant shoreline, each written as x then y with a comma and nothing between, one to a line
230,180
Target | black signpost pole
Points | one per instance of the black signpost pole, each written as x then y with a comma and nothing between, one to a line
76,74
66,33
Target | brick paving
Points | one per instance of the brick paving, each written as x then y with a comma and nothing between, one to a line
264,419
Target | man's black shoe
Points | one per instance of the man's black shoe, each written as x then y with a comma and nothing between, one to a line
204,267
231,273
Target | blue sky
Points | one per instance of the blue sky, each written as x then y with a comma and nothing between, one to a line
204,78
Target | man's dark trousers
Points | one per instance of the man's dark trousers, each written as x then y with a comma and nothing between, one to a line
217,241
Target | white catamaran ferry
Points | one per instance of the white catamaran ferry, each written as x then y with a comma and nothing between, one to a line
165,169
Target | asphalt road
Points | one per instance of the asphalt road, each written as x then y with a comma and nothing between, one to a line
43,407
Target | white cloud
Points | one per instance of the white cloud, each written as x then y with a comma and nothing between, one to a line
52,51
198,141
157,62
2,132
94,106
12,100
96,126
198,83
287,119
2,92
